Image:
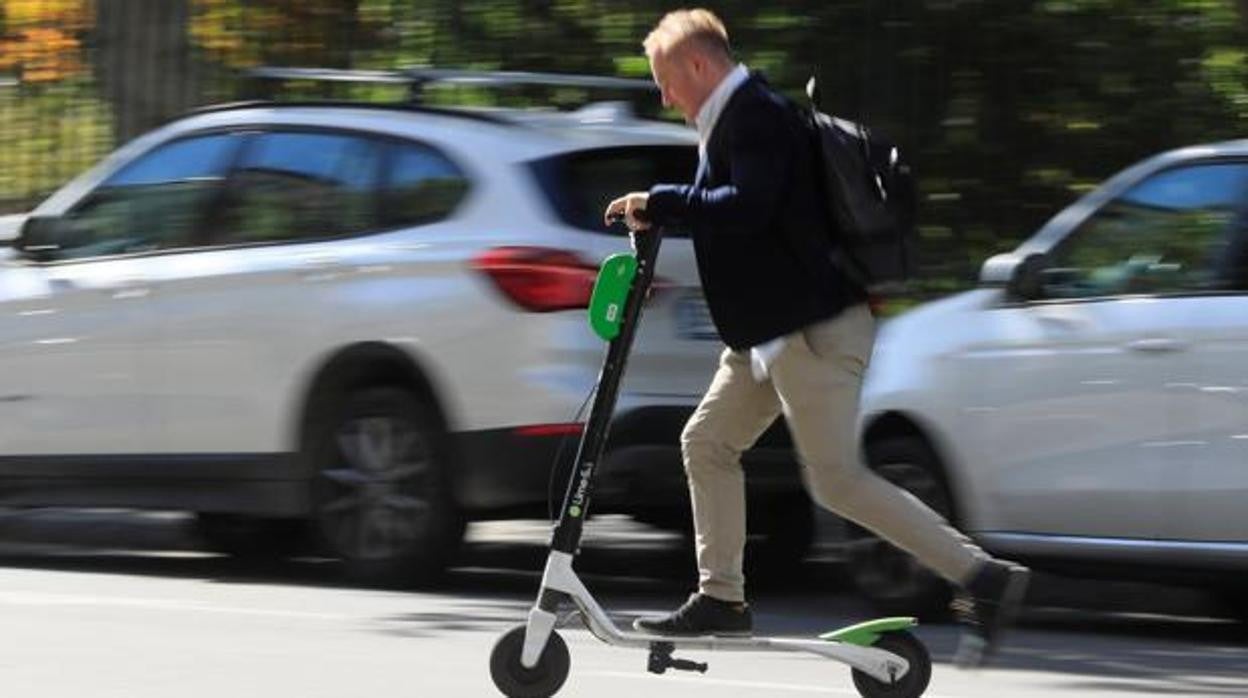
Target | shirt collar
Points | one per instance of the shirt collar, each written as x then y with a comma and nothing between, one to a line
708,115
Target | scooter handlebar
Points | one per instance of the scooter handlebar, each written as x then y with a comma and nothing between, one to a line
645,242
640,214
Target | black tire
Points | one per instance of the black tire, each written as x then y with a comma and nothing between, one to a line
382,495
250,537
914,683
543,680
892,580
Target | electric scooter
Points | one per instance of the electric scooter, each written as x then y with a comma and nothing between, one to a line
531,660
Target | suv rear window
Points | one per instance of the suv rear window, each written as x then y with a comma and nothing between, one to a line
579,185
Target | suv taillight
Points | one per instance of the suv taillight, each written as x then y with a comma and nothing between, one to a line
539,279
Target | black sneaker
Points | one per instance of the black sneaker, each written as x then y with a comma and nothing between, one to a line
701,615
987,608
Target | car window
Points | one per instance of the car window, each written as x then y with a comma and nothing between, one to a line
580,185
422,186
1168,234
297,186
155,202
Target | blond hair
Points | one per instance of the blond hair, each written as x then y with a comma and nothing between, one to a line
684,27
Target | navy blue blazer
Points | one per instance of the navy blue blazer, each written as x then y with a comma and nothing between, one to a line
760,231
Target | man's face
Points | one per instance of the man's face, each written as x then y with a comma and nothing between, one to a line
679,79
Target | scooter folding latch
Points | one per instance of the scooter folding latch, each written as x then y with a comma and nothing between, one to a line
567,618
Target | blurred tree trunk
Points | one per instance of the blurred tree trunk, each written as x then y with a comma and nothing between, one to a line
143,62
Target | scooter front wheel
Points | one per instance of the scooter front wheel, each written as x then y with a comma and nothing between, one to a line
515,680
912,685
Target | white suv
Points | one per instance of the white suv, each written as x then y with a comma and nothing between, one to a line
1086,408
367,317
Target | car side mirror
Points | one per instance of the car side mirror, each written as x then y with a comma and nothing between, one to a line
1022,276
40,237
11,228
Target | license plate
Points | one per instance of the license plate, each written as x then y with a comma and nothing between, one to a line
693,318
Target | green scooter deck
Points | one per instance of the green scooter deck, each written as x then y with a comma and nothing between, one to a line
867,633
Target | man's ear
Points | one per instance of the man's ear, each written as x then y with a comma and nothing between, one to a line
698,64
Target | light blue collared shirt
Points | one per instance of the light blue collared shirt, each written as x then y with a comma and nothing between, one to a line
708,114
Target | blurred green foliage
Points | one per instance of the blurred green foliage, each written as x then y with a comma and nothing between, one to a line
1009,110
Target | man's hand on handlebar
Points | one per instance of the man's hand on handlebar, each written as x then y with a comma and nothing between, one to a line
631,208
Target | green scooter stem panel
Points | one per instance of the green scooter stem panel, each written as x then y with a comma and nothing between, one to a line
865,634
606,305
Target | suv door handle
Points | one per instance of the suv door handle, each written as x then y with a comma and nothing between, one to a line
127,289
1157,345
131,288
132,292
319,267
318,261
1065,320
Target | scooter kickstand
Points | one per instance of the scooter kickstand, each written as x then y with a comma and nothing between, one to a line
661,660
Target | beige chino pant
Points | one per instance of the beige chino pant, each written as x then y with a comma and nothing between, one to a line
815,382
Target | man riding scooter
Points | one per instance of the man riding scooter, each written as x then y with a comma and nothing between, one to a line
799,336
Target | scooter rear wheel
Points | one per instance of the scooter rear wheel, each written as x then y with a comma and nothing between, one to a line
913,684
514,680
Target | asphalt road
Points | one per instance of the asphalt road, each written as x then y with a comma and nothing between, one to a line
117,605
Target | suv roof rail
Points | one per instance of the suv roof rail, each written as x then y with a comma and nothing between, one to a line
482,116
417,78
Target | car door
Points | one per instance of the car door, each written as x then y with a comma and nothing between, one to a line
1061,408
81,320
1071,392
1106,394
1200,333
238,316
70,357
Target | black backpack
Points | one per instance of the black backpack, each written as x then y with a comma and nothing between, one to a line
872,199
